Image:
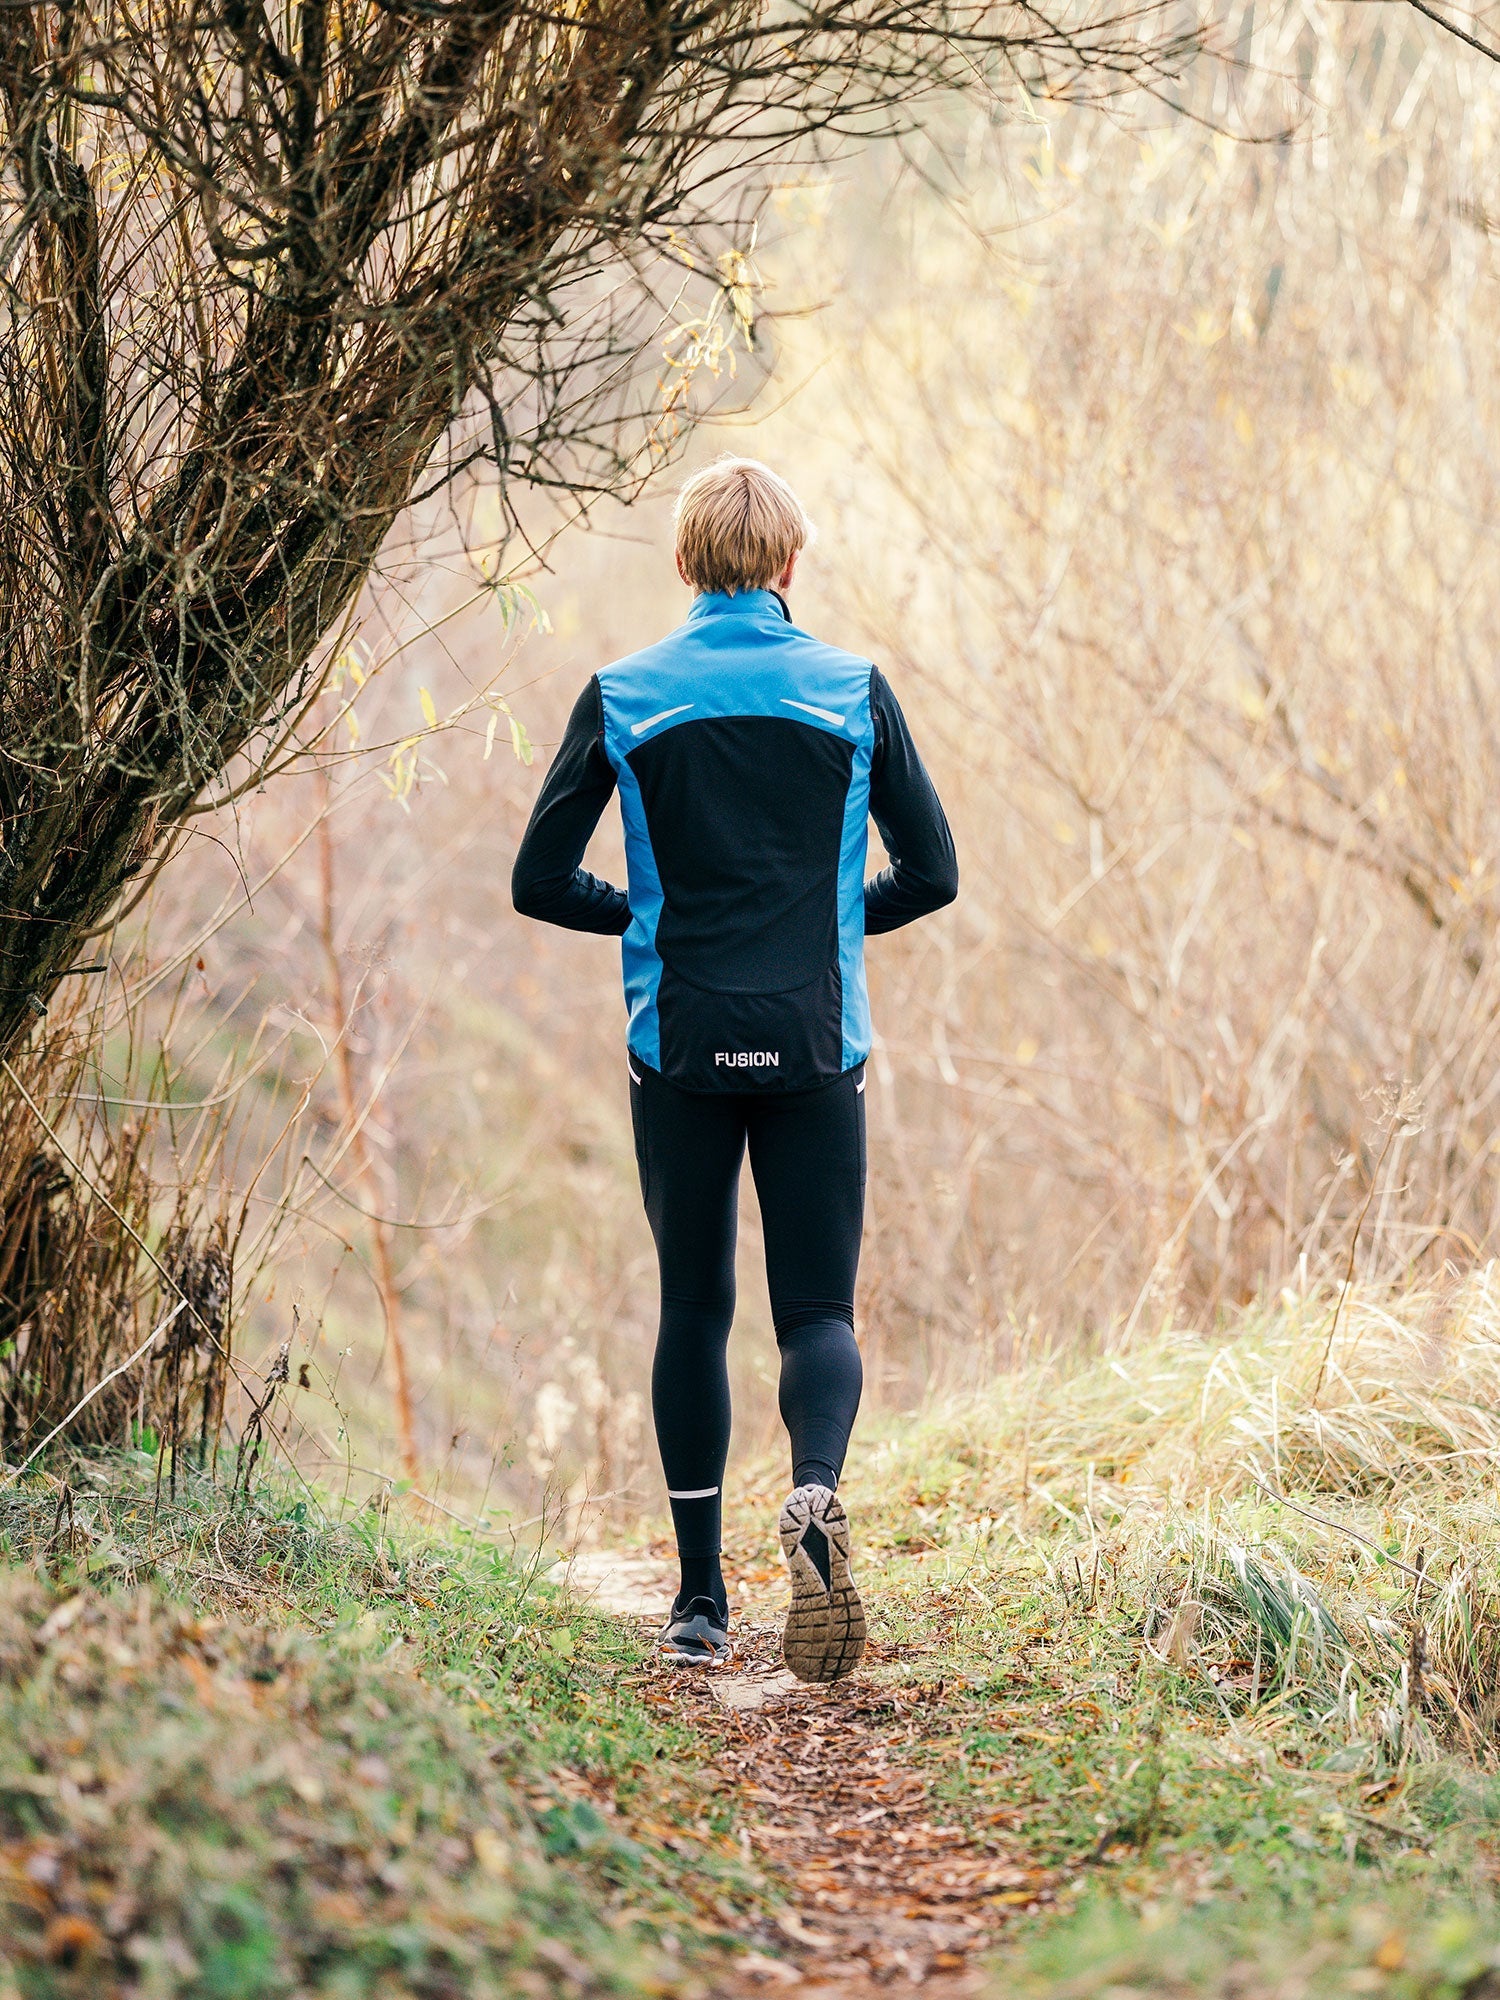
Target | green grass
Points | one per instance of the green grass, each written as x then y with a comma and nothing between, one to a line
1192,1852
1254,1736
378,1763
1251,1742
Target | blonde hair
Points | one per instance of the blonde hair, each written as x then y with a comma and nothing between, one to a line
738,526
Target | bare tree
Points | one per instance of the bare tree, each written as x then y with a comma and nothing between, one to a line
270,271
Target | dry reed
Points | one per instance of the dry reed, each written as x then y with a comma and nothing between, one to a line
1332,1548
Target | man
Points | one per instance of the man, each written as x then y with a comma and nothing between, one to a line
749,759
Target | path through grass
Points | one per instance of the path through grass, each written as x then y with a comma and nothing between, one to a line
1183,1681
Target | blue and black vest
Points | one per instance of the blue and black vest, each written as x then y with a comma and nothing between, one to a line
748,757
741,746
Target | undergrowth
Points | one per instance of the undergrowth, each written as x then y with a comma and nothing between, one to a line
1224,1617
366,1761
1209,1628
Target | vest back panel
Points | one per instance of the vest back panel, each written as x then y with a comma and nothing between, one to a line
746,818
742,750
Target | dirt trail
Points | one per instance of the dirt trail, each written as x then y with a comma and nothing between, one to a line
885,1885
886,1889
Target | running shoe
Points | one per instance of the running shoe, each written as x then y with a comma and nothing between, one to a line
825,1627
697,1632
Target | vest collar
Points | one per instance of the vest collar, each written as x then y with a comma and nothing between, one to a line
744,604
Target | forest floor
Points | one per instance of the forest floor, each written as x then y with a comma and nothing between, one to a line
1116,1734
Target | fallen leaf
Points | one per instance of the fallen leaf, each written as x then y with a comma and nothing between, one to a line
69,1939
59,1621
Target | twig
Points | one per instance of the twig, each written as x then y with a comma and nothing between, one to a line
1383,1826
84,1402
253,1434
1344,1289
1354,1535
124,1221
395,1221
1450,28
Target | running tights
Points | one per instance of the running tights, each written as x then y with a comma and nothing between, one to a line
807,1154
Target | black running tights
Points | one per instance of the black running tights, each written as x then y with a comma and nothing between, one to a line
807,1154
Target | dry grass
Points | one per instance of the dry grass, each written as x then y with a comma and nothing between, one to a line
110,1226
1155,470
1297,1517
1400,1400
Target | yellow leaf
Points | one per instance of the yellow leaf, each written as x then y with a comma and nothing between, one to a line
1205,331
353,721
491,1852
429,708
489,735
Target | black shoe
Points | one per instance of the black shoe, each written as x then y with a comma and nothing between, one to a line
697,1632
825,1626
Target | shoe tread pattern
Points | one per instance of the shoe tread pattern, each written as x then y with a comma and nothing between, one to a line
824,1637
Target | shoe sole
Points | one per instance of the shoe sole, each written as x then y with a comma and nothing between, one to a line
825,1627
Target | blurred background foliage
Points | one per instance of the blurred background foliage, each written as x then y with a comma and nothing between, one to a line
1153,457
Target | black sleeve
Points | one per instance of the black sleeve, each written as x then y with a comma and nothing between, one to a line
547,881
923,874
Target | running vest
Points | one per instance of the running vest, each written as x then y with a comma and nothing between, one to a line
741,747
